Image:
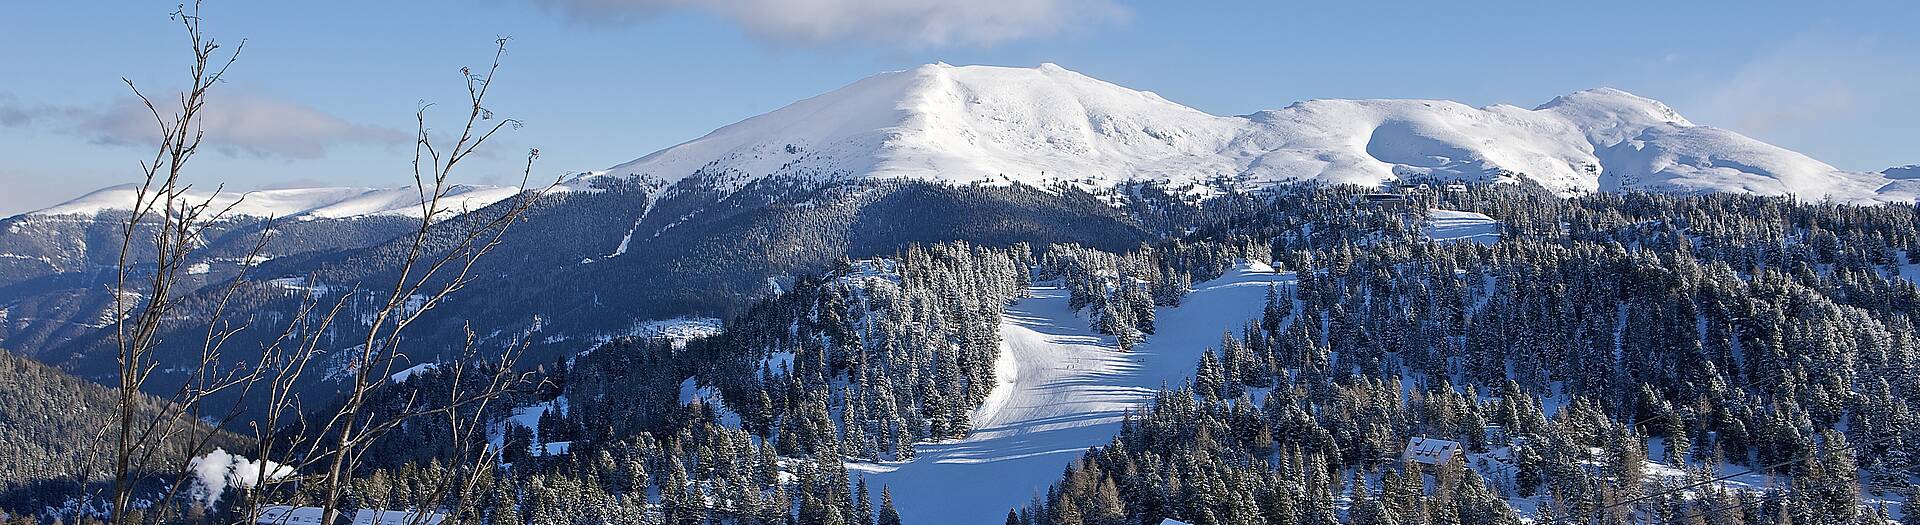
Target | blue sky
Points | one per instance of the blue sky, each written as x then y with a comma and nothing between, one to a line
324,93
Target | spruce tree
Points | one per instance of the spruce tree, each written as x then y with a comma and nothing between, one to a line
887,515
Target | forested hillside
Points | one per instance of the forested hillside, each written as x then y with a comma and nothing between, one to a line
1615,359
1609,358
53,434
588,266
52,267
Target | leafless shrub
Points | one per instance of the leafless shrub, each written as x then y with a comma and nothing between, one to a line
322,457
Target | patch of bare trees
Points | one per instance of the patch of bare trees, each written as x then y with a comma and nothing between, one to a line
301,456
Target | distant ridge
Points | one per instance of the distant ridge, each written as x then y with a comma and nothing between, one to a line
298,203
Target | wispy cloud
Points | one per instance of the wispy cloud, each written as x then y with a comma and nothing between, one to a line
915,23
1834,93
14,113
1815,77
236,123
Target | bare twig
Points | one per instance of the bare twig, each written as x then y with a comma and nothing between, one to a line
323,453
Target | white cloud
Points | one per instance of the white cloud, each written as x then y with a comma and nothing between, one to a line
915,23
236,123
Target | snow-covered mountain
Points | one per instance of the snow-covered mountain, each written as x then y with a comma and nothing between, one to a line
1038,125
296,203
51,260
967,124
1903,183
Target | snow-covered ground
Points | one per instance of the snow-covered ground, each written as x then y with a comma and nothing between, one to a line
1063,389
529,417
678,330
691,390
403,375
1449,225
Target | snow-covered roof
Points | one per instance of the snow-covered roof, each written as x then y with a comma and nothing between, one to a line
1449,225
396,517
1429,451
290,515
287,515
1171,521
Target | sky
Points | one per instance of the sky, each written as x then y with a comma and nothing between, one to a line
324,93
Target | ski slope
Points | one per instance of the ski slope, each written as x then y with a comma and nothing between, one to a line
1063,388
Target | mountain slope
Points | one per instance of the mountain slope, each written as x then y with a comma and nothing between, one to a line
958,124
54,268
688,250
1036,125
1903,183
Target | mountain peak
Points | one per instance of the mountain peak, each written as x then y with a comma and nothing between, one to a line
1044,124
951,123
1615,105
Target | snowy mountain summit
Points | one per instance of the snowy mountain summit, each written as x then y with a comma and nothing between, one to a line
964,124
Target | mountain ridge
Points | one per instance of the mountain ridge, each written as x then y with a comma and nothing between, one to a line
338,202
1048,124
963,124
